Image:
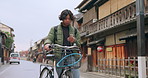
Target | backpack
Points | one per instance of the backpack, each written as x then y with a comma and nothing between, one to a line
55,30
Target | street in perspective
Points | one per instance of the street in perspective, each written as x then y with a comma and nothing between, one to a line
25,69
86,38
28,69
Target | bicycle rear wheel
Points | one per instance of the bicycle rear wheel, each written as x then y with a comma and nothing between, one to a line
67,74
46,73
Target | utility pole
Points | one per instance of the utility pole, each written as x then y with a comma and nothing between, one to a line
31,43
141,39
30,49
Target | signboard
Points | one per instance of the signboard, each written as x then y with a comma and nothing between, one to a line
109,49
89,51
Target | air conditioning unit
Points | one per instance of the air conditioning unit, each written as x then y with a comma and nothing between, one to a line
94,20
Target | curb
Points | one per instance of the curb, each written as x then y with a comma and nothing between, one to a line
103,75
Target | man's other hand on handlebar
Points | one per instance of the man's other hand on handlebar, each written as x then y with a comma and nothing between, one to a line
47,47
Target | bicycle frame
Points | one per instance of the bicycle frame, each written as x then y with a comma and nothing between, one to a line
53,68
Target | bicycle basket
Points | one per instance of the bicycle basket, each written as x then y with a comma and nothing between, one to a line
72,60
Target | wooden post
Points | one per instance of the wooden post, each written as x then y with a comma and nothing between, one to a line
135,67
108,66
129,67
124,69
112,65
98,65
101,65
119,67
141,39
116,68
104,65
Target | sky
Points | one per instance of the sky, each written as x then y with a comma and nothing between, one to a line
32,19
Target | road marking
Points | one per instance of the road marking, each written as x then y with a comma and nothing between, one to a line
4,70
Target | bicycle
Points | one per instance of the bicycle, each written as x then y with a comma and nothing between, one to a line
70,60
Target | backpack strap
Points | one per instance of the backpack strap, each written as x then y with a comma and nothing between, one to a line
55,36
75,31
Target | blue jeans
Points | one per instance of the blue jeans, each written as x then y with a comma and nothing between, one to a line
75,72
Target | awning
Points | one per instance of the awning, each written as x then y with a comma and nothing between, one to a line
100,2
127,36
95,42
132,35
83,4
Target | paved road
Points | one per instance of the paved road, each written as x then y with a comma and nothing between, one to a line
86,75
26,69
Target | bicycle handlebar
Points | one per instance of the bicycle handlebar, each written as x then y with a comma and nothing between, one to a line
65,47
49,52
59,47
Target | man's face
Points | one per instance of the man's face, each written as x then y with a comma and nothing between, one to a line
67,21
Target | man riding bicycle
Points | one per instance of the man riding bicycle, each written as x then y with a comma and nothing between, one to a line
64,34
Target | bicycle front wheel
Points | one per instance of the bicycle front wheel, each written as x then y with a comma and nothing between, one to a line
46,73
67,74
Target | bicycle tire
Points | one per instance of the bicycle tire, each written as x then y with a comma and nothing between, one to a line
48,74
67,74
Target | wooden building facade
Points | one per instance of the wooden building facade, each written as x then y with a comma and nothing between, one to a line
110,24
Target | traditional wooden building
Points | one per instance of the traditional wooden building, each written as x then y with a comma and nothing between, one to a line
36,49
2,47
7,50
110,24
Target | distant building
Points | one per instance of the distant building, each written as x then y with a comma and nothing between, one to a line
6,28
7,50
24,53
3,49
